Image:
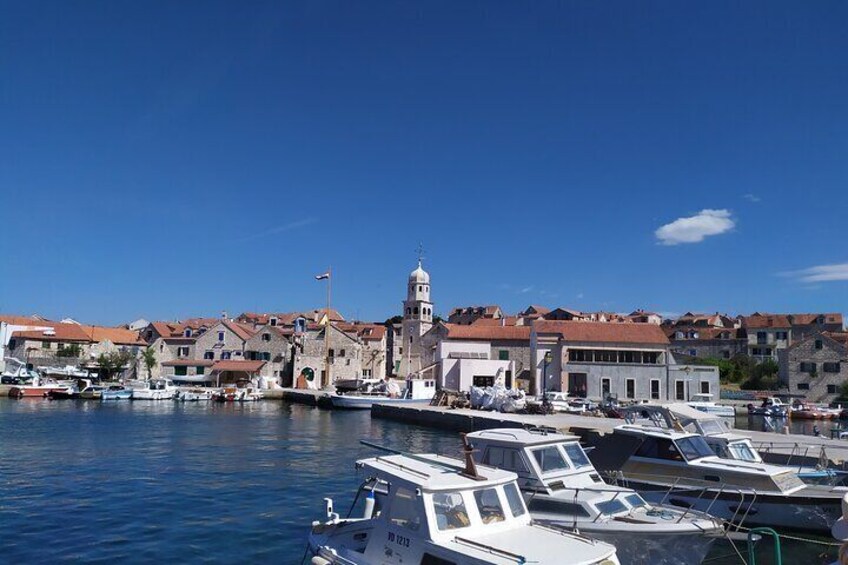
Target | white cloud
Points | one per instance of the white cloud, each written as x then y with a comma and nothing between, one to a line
751,197
526,289
821,273
694,229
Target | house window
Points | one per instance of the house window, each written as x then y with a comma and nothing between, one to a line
679,390
226,355
655,389
221,337
803,386
237,353
273,321
12,343
209,355
266,337
830,367
606,385
503,355
266,356
341,352
630,388
807,367
725,354
45,345
199,370
819,344
366,373
182,352
187,332
762,338
332,353
781,335
832,389
705,387
181,371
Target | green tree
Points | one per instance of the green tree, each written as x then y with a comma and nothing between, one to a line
70,350
148,356
113,362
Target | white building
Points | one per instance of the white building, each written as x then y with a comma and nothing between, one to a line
417,320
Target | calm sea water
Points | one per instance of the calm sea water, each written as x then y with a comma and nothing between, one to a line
161,481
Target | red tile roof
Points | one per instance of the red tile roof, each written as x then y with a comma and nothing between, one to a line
603,332
15,320
505,321
366,332
84,334
241,330
235,365
489,333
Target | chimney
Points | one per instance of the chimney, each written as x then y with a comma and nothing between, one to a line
223,314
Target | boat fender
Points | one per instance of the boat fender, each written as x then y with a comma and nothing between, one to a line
318,560
368,513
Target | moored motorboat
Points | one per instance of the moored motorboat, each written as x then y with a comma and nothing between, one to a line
430,509
116,392
704,403
682,469
194,395
563,489
418,391
814,412
93,392
154,389
38,387
237,394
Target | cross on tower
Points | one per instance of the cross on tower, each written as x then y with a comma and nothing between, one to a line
420,252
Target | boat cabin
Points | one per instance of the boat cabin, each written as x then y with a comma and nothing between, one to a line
556,465
426,509
661,456
420,389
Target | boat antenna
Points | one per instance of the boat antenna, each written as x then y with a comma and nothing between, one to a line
470,466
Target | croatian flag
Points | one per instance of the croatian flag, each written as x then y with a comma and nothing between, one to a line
322,276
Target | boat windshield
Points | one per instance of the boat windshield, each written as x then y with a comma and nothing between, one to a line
513,498
635,500
742,451
693,447
489,505
577,455
711,427
613,506
450,511
550,459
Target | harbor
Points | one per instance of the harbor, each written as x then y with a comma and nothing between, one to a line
167,481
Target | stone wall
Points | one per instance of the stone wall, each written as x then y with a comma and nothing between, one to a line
271,346
345,363
821,386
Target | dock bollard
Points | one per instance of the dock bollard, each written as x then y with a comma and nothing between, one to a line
839,530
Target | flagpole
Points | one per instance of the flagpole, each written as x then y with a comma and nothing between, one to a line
327,327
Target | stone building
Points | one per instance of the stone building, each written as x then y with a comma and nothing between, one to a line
394,348
768,334
816,366
373,338
467,315
417,320
271,344
224,340
629,361
707,342
310,357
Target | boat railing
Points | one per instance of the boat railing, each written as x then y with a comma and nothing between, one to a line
491,549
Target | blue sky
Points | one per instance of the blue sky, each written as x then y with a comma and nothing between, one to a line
174,159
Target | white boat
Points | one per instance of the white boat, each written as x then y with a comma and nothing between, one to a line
237,394
418,391
18,373
154,389
194,395
680,468
433,510
563,489
561,402
704,403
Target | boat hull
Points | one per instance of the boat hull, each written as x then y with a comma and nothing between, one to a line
121,395
811,514
143,394
352,402
34,391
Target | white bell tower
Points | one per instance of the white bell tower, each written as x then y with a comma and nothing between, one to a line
417,320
